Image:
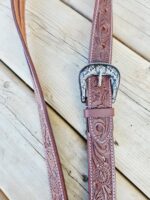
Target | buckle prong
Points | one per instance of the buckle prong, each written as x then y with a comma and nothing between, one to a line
99,69
99,80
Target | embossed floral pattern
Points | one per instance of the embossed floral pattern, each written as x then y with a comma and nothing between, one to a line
100,145
100,138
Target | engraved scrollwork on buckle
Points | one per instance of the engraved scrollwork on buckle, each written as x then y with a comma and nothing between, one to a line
99,69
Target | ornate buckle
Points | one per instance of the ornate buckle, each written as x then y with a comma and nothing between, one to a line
99,69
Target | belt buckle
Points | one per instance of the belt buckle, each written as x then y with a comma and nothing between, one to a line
99,69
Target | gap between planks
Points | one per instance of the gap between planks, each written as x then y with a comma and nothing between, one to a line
128,15
114,36
14,92
47,103
66,122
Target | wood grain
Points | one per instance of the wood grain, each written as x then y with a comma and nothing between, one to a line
23,168
131,21
3,195
58,40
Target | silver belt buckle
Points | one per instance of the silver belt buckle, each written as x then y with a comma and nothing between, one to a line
99,69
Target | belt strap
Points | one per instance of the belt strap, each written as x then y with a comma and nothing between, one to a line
98,97
56,179
100,136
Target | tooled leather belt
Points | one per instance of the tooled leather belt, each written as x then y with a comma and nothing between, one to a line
99,82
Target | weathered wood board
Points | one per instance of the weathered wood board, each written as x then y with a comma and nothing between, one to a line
23,170
3,196
58,40
131,22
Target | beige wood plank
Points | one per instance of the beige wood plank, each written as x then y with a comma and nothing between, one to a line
23,169
59,54
131,21
3,196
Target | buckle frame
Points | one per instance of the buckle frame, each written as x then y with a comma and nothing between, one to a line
99,69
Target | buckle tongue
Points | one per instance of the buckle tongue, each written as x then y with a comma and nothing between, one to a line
99,79
99,69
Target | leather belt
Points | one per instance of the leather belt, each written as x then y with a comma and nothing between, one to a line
99,82
56,179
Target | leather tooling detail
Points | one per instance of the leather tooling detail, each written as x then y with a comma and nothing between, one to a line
53,171
51,156
101,143
101,130
101,172
100,136
100,41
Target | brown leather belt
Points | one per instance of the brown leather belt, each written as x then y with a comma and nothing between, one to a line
99,82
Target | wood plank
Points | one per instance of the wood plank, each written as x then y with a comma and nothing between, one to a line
49,38
23,169
131,21
3,196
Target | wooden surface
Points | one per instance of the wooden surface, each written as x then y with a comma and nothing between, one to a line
58,38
